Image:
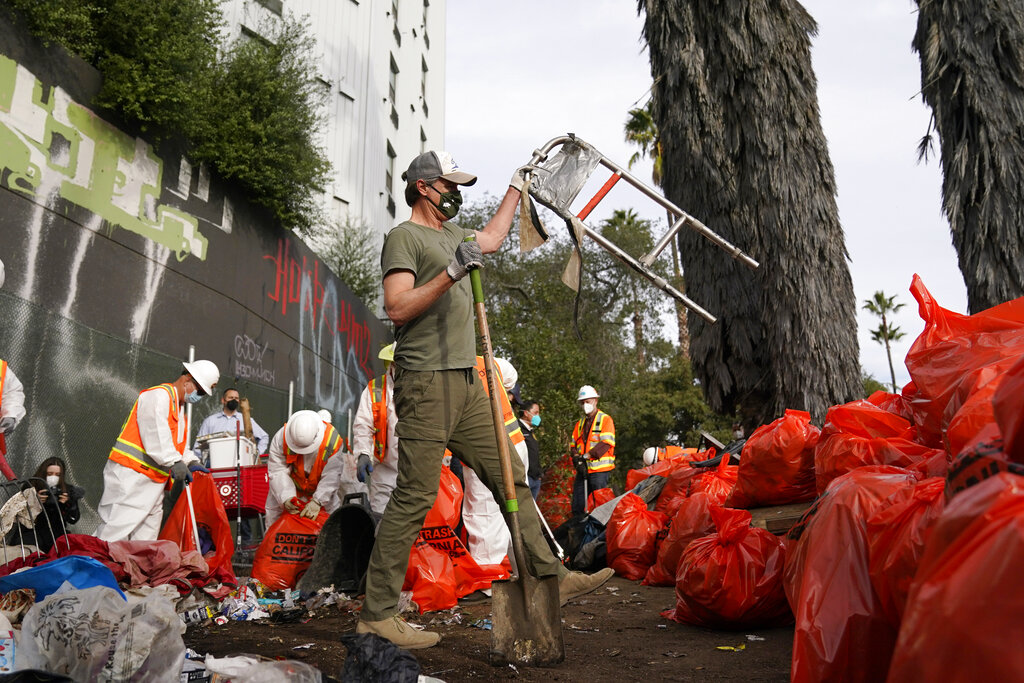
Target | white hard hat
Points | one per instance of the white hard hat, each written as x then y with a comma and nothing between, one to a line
509,375
304,432
205,373
325,415
587,391
650,455
1,273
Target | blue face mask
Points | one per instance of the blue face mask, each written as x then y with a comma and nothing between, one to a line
535,421
193,397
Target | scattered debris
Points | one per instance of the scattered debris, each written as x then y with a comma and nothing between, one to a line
737,648
750,637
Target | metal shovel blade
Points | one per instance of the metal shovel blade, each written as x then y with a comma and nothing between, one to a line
526,622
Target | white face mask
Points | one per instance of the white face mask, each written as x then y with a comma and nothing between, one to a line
588,408
52,481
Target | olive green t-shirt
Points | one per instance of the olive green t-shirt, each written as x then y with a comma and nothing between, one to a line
442,337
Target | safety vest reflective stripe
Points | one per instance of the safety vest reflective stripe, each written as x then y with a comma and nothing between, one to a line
515,434
128,450
379,397
603,430
3,377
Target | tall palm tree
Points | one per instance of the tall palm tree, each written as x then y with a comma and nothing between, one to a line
641,131
883,306
972,76
743,150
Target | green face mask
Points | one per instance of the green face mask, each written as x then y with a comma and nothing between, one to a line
449,203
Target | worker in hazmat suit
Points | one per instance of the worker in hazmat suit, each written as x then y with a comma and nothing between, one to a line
304,466
655,454
149,450
375,437
12,393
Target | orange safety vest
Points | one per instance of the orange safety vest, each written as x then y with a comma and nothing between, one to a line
379,398
305,484
128,449
515,434
603,430
669,452
3,376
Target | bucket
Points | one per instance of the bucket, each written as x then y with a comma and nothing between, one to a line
342,552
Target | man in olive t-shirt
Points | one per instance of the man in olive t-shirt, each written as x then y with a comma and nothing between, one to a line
438,398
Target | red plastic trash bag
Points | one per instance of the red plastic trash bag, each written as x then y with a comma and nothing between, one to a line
1008,409
840,453
963,616
897,404
732,578
953,345
982,458
431,578
681,484
631,537
441,570
599,497
691,521
842,633
287,550
718,482
777,466
662,468
896,538
864,418
212,521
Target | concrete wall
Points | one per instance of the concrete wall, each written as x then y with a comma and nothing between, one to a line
120,256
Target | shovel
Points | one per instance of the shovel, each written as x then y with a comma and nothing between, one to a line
525,610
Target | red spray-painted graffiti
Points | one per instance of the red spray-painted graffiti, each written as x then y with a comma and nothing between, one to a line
338,319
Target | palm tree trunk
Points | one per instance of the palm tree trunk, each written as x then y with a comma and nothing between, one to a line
972,76
743,150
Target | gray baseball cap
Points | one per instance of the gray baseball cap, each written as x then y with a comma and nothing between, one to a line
433,165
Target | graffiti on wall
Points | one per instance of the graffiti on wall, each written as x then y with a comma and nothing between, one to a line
52,146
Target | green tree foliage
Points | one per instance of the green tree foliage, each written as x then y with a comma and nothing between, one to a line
652,399
871,385
353,253
884,306
265,117
252,111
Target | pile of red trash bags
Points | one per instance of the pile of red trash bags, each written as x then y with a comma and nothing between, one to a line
905,567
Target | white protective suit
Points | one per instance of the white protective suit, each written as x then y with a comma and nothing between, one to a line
132,504
487,534
385,474
282,487
12,401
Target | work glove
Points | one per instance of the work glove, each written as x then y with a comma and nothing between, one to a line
363,467
520,177
197,467
467,257
292,506
179,471
311,510
7,424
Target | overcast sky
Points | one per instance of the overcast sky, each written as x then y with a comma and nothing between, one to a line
520,74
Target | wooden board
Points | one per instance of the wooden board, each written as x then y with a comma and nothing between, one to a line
780,518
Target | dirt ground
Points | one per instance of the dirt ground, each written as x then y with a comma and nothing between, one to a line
613,634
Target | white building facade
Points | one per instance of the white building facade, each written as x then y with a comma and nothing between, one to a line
383,64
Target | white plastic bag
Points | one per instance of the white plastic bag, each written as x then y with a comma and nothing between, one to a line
249,669
94,635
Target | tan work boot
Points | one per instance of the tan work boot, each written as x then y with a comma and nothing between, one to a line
575,584
399,632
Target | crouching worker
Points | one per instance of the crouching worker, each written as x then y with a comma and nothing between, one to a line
304,462
438,397
149,450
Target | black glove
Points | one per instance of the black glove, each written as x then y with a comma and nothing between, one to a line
180,472
197,467
7,424
467,257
